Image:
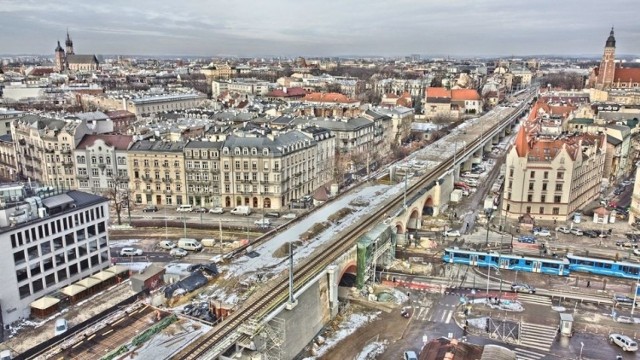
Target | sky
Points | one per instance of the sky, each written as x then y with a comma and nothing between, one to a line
251,28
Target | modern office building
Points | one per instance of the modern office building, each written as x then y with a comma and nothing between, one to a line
50,239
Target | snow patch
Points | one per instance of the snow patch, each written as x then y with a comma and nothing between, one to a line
371,351
345,329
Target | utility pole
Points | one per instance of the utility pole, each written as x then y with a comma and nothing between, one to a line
220,228
184,222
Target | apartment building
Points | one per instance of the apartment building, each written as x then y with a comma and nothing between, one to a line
6,118
241,86
268,171
44,147
101,163
202,171
8,165
634,207
50,239
552,177
156,171
325,154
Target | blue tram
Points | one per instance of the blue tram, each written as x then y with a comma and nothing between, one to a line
619,269
507,261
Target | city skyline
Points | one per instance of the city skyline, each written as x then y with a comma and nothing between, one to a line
330,28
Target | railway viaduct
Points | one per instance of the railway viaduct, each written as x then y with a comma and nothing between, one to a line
284,328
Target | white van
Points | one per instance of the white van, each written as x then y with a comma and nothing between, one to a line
185,208
189,244
209,242
241,210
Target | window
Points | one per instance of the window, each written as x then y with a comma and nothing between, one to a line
528,209
510,172
556,211
543,198
541,209
546,174
558,187
533,174
94,172
531,186
529,198
557,199
560,175
544,187
510,184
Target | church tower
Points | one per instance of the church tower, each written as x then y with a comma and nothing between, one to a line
69,44
59,58
607,68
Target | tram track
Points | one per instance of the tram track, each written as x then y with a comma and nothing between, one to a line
275,294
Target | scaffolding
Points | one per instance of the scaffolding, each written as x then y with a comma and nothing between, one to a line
272,337
375,247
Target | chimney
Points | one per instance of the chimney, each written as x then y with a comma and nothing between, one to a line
284,90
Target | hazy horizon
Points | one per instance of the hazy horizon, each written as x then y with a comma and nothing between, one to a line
356,28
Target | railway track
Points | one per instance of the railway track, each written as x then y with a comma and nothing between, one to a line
275,294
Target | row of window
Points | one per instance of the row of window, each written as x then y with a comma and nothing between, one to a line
541,210
35,286
59,225
121,160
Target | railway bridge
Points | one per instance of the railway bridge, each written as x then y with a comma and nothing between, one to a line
274,325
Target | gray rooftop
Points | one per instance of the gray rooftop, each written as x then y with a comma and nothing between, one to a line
159,146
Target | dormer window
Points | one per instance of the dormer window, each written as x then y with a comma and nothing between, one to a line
237,151
265,152
254,151
225,151
245,151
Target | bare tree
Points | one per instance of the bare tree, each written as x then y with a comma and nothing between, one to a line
118,196
333,88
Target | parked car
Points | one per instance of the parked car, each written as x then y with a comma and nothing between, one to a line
200,210
563,229
542,232
61,327
272,214
5,355
216,210
150,208
129,251
451,233
166,244
471,182
306,198
576,231
590,233
618,191
262,222
627,182
528,239
178,252
185,208
624,342
521,287
410,355
636,252
289,216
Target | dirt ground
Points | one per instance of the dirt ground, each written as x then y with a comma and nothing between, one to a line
387,326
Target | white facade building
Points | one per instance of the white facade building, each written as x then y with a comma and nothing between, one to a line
50,240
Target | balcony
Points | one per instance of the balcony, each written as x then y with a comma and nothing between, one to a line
65,151
168,192
146,178
102,166
67,163
167,180
49,150
148,191
82,177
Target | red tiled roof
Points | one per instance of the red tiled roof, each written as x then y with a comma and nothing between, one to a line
438,92
119,142
627,75
291,92
464,94
328,97
521,143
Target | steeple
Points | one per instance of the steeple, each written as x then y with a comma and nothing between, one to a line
69,44
611,40
59,48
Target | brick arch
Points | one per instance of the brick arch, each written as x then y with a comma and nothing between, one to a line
349,267
415,216
399,228
427,207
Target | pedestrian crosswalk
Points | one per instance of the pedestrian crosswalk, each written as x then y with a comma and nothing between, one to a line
523,354
534,299
536,336
440,315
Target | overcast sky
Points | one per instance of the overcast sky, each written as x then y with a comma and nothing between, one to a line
320,28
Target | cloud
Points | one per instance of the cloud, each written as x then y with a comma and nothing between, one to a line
328,27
